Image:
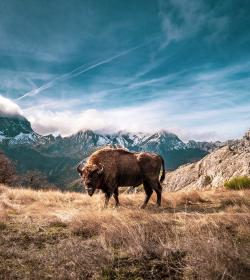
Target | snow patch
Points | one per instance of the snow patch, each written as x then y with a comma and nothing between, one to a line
24,138
102,141
2,138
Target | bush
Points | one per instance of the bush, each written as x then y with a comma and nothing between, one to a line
238,183
36,180
7,170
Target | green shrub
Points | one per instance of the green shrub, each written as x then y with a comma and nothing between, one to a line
238,183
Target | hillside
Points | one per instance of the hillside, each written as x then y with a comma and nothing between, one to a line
57,156
54,235
213,170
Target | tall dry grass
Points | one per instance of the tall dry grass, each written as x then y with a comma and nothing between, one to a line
54,235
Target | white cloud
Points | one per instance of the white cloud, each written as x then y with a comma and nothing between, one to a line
210,124
204,124
8,107
67,122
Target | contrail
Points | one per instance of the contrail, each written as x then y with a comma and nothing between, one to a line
77,71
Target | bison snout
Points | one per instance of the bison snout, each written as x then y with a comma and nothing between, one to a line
90,191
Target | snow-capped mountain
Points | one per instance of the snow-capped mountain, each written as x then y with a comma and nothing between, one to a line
16,130
12,125
156,142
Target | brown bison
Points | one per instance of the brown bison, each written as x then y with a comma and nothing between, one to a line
108,168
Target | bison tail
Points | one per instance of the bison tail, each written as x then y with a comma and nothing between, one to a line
163,170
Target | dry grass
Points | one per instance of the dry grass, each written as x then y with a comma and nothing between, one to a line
54,235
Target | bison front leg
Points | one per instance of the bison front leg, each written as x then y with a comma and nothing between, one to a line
107,198
148,191
116,194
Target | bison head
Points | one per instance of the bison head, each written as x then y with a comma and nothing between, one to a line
92,176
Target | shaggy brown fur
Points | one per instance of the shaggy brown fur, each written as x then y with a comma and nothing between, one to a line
108,168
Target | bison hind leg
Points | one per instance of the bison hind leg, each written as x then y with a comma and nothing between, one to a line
148,190
158,191
116,197
156,186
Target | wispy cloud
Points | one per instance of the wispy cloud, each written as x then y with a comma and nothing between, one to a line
200,102
15,81
78,71
181,19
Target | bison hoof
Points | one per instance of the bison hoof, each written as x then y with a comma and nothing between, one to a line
143,206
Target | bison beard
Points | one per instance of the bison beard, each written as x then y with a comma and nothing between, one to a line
108,168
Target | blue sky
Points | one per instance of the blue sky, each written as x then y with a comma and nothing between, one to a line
179,65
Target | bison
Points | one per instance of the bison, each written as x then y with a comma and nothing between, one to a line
109,168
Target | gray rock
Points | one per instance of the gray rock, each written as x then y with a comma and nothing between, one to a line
214,169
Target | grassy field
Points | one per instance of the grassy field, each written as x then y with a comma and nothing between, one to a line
194,235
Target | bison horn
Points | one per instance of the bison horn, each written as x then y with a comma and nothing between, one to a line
100,171
80,168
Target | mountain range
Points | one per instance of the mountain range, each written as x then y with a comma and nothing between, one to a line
57,156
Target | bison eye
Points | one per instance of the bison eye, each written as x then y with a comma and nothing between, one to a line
93,175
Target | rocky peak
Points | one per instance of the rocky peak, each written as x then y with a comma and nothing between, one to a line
13,125
17,130
204,145
242,145
247,136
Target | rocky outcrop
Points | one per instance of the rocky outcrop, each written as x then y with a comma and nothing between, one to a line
214,169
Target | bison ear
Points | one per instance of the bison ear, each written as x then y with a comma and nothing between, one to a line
100,169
